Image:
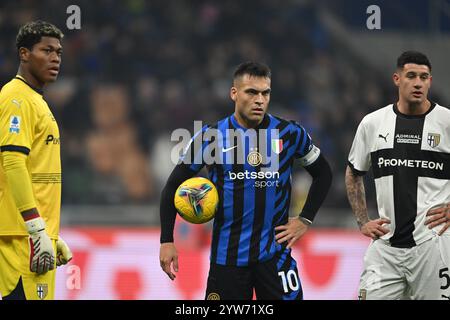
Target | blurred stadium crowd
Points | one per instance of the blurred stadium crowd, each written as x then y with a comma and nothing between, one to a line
139,69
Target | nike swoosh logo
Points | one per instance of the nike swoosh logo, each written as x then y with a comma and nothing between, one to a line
228,149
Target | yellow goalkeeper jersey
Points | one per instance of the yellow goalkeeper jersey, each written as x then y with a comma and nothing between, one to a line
27,125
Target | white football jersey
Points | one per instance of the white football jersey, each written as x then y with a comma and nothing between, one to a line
410,160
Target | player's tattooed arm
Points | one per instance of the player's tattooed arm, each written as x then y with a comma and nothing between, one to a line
356,196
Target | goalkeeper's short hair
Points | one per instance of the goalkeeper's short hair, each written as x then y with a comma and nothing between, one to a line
32,32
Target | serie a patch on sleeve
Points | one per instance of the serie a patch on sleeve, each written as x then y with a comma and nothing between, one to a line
14,124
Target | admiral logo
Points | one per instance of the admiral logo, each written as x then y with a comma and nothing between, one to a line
408,138
423,164
52,139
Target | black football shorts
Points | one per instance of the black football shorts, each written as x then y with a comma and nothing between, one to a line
275,279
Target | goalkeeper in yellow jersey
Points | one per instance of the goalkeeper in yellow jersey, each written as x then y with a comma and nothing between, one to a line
30,170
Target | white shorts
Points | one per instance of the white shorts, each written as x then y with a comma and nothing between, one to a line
421,272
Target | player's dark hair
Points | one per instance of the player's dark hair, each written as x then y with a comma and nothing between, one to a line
32,32
412,57
251,68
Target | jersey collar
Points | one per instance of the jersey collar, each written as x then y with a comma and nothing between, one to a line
40,91
263,125
418,116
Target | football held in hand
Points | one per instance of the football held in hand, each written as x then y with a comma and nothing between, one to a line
196,200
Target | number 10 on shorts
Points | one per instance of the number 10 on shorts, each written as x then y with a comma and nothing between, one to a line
289,279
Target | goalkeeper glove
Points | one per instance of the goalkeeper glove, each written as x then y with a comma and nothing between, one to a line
63,253
42,256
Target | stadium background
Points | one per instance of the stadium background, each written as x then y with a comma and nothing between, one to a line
137,70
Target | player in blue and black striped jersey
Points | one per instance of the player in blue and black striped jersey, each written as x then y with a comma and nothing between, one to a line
249,156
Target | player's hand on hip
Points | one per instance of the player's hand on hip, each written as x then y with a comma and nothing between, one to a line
42,255
439,216
292,231
168,255
63,253
374,229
